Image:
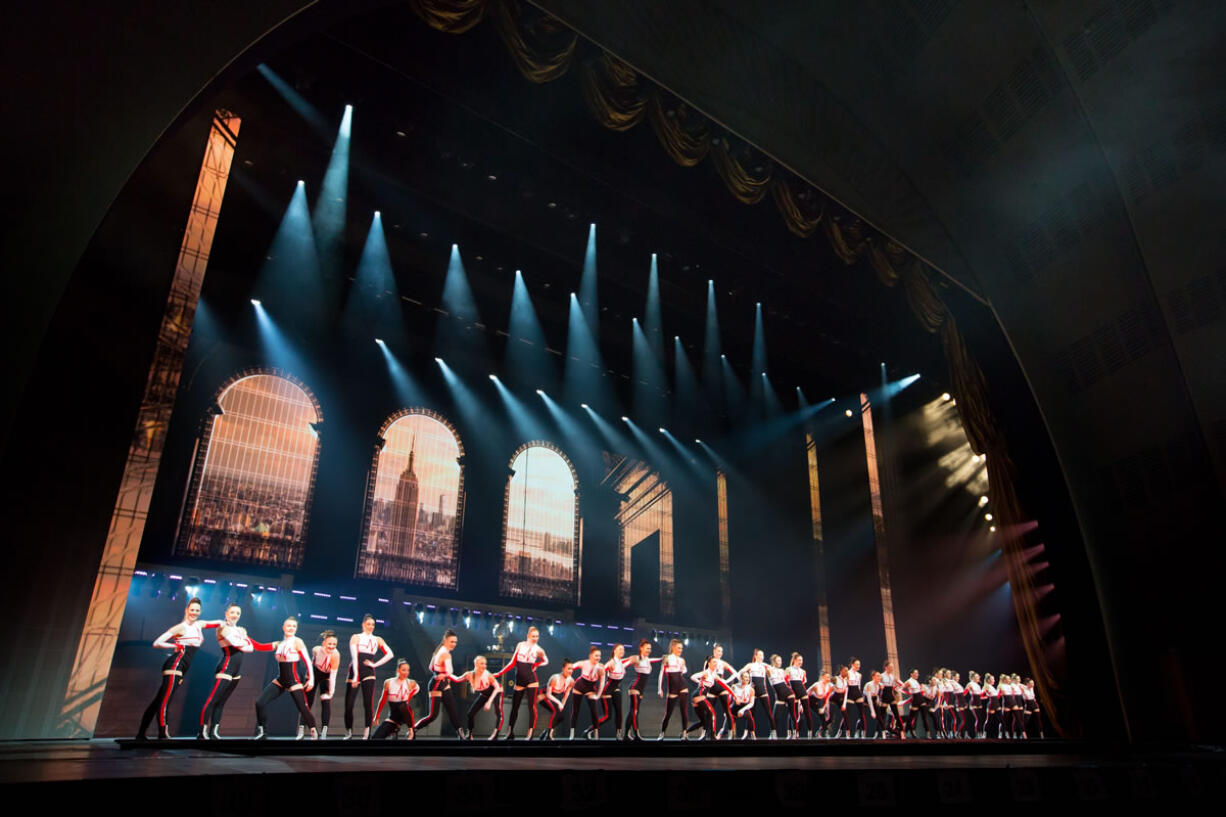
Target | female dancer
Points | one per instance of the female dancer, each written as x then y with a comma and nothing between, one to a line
234,644
674,674
961,717
184,639
757,675
290,650
889,700
1032,710
854,699
913,692
590,685
396,694
974,703
799,682
561,683
991,697
440,686
723,700
642,671
743,696
778,679
1019,706
611,698
362,665
528,656
327,660
487,690
819,693
872,697
709,684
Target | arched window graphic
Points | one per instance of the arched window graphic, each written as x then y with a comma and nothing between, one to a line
414,502
541,538
254,473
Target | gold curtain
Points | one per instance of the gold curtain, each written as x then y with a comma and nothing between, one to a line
885,258
684,133
613,92
451,16
802,211
541,46
845,243
745,186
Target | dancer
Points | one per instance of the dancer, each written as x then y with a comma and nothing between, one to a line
362,666
819,693
234,644
1019,706
974,694
327,660
642,671
487,691
778,680
872,693
958,692
723,700
913,691
590,685
853,699
674,673
561,683
184,639
611,698
440,686
1033,714
290,650
743,696
528,657
991,698
889,700
709,684
799,682
396,695
757,675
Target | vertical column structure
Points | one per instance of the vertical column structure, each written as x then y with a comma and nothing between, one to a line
725,568
815,508
879,534
87,683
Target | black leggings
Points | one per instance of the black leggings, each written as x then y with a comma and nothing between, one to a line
593,704
210,716
515,700
479,701
367,690
325,704
705,712
555,711
160,703
668,712
442,685
271,693
399,714
632,717
612,699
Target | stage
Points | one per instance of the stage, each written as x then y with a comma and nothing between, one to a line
479,775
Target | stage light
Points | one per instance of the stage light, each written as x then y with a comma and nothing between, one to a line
540,391
439,361
518,274
698,441
377,214
255,302
583,405
379,341
625,419
572,295
301,182
663,430
723,357
494,377
550,628
983,500
992,529
946,397
847,412
988,517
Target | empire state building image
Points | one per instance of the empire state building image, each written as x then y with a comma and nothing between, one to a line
402,517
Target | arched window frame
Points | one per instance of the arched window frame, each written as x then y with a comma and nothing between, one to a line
200,457
578,519
372,477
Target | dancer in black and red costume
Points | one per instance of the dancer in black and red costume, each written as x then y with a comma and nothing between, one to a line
440,686
234,644
560,684
673,674
528,657
487,691
360,679
327,660
397,692
642,671
289,651
183,639
589,685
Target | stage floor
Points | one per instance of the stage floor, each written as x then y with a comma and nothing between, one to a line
476,775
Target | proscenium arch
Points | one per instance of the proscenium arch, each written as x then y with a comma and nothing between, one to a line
512,584
268,540
369,563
